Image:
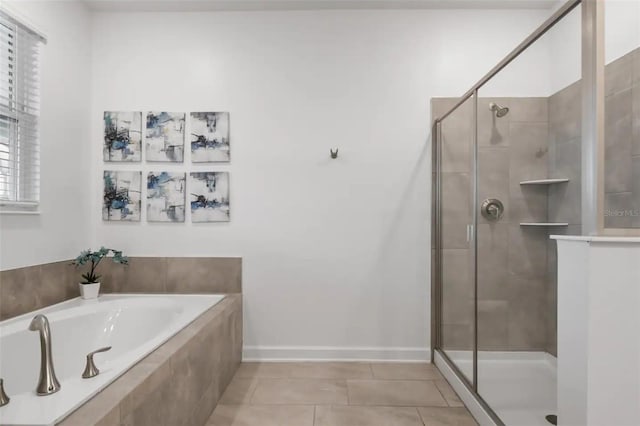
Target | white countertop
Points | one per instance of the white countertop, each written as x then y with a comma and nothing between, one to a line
594,239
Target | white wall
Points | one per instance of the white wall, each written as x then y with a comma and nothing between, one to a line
62,228
336,252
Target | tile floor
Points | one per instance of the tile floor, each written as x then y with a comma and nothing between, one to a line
339,394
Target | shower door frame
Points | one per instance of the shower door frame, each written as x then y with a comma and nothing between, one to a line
592,143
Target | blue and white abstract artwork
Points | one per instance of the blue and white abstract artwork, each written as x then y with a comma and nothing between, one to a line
122,136
165,136
209,196
122,196
210,137
165,196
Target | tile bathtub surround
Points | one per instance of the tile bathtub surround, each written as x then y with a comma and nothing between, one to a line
339,394
180,383
30,288
173,275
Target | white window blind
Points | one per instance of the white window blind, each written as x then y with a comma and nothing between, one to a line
19,105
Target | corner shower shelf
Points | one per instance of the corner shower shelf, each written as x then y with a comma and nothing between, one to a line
547,224
543,181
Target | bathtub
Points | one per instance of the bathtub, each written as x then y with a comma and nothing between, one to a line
134,325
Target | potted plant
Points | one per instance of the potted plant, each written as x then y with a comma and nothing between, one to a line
90,287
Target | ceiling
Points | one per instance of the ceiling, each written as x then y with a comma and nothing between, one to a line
210,5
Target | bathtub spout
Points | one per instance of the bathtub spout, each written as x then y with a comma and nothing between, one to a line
48,382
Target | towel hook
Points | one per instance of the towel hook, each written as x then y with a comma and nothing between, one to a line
334,154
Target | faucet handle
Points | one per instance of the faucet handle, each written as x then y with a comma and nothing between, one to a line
4,399
90,370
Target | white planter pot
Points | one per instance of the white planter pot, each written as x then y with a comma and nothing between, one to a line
89,291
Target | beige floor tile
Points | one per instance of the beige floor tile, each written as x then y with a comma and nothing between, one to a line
405,371
272,370
432,416
262,415
337,415
449,394
332,370
410,393
300,391
306,370
239,391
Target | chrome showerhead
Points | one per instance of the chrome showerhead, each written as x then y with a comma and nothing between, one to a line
500,111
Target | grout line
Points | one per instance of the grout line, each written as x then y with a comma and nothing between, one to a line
441,393
420,417
253,392
373,375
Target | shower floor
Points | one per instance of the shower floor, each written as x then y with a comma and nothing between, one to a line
519,386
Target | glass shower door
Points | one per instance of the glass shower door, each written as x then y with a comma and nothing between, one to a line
457,267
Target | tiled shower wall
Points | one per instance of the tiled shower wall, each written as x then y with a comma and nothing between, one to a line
512,260
622,142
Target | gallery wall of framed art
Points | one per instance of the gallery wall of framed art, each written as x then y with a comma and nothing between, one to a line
177,184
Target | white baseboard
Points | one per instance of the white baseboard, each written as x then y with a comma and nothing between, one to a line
334,353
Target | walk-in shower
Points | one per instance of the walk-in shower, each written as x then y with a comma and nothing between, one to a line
507,175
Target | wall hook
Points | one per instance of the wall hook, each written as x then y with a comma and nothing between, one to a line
334,154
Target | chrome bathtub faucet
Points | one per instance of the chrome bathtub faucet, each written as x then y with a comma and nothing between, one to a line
48,382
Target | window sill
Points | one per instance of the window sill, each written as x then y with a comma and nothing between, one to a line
20,213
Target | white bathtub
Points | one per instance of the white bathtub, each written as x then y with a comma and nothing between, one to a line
134,325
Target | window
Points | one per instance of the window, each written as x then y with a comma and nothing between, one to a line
19,104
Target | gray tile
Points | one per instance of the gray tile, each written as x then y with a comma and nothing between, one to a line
432,416
527,251
528,155
300,391
456,270
19,291
404,393
456,337
635,110
366,416
526,315
635,201
618,142
262,415
528,109
492,324
405,371
458,288
493,177
565,198
456,197
493,255
618,75
618,209
454,235
493,131
529,204
204,275
565,114
142,275
636,66
457,138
